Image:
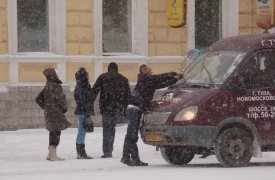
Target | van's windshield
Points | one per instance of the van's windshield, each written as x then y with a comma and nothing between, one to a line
212,68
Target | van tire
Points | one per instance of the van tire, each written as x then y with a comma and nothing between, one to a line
234,147
177,155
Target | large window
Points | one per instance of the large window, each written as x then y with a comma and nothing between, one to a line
117,26
208,18
37,26
258,72
33,25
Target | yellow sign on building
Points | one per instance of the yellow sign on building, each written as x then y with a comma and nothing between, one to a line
176,12
265,13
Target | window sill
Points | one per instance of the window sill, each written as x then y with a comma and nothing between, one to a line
35,56
38,55
121,56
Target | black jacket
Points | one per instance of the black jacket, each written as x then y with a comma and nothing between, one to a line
114,91
83,94
147,84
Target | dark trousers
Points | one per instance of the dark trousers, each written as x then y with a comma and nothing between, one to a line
130,148
54,138
109,120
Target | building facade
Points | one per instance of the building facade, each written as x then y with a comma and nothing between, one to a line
68,34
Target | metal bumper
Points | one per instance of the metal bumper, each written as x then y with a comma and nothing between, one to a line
163,135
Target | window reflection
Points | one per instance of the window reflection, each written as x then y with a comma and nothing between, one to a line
33,26
117,26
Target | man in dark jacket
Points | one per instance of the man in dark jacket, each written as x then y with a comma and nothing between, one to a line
139,102
114,96
84,98
55,106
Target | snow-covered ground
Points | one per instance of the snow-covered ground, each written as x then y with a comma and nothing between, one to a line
23,153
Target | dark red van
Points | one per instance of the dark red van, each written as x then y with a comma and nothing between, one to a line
225,102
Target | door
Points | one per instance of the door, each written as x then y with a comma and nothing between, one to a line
255,95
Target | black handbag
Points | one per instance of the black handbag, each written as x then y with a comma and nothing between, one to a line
40,99
88,124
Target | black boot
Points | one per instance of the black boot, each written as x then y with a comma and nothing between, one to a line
127,161
81,152
138,162
107,155
135,156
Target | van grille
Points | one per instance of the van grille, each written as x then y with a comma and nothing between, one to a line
156,117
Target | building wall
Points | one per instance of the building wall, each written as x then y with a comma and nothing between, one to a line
167,47
72,67
247,17
4,71
129,70
3,27
79,41
4,66
80,27
163,39
22,76
32,72
18,109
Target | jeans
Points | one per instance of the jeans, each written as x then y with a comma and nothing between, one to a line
109,120
130,148
81,133
54,138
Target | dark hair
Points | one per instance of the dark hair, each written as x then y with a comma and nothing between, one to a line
51,75
113,67
141,68
82,75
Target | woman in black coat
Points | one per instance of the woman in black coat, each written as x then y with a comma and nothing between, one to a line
84,99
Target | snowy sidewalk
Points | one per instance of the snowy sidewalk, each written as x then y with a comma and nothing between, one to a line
23,153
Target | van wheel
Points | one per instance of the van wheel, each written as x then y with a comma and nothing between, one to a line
234,147
176,155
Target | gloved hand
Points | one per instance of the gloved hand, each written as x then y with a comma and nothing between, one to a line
179,76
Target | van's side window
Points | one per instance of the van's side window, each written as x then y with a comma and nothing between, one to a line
259,72
268,68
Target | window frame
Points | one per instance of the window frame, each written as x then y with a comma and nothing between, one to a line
245,67
57,28
230,20
139,29
126,41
